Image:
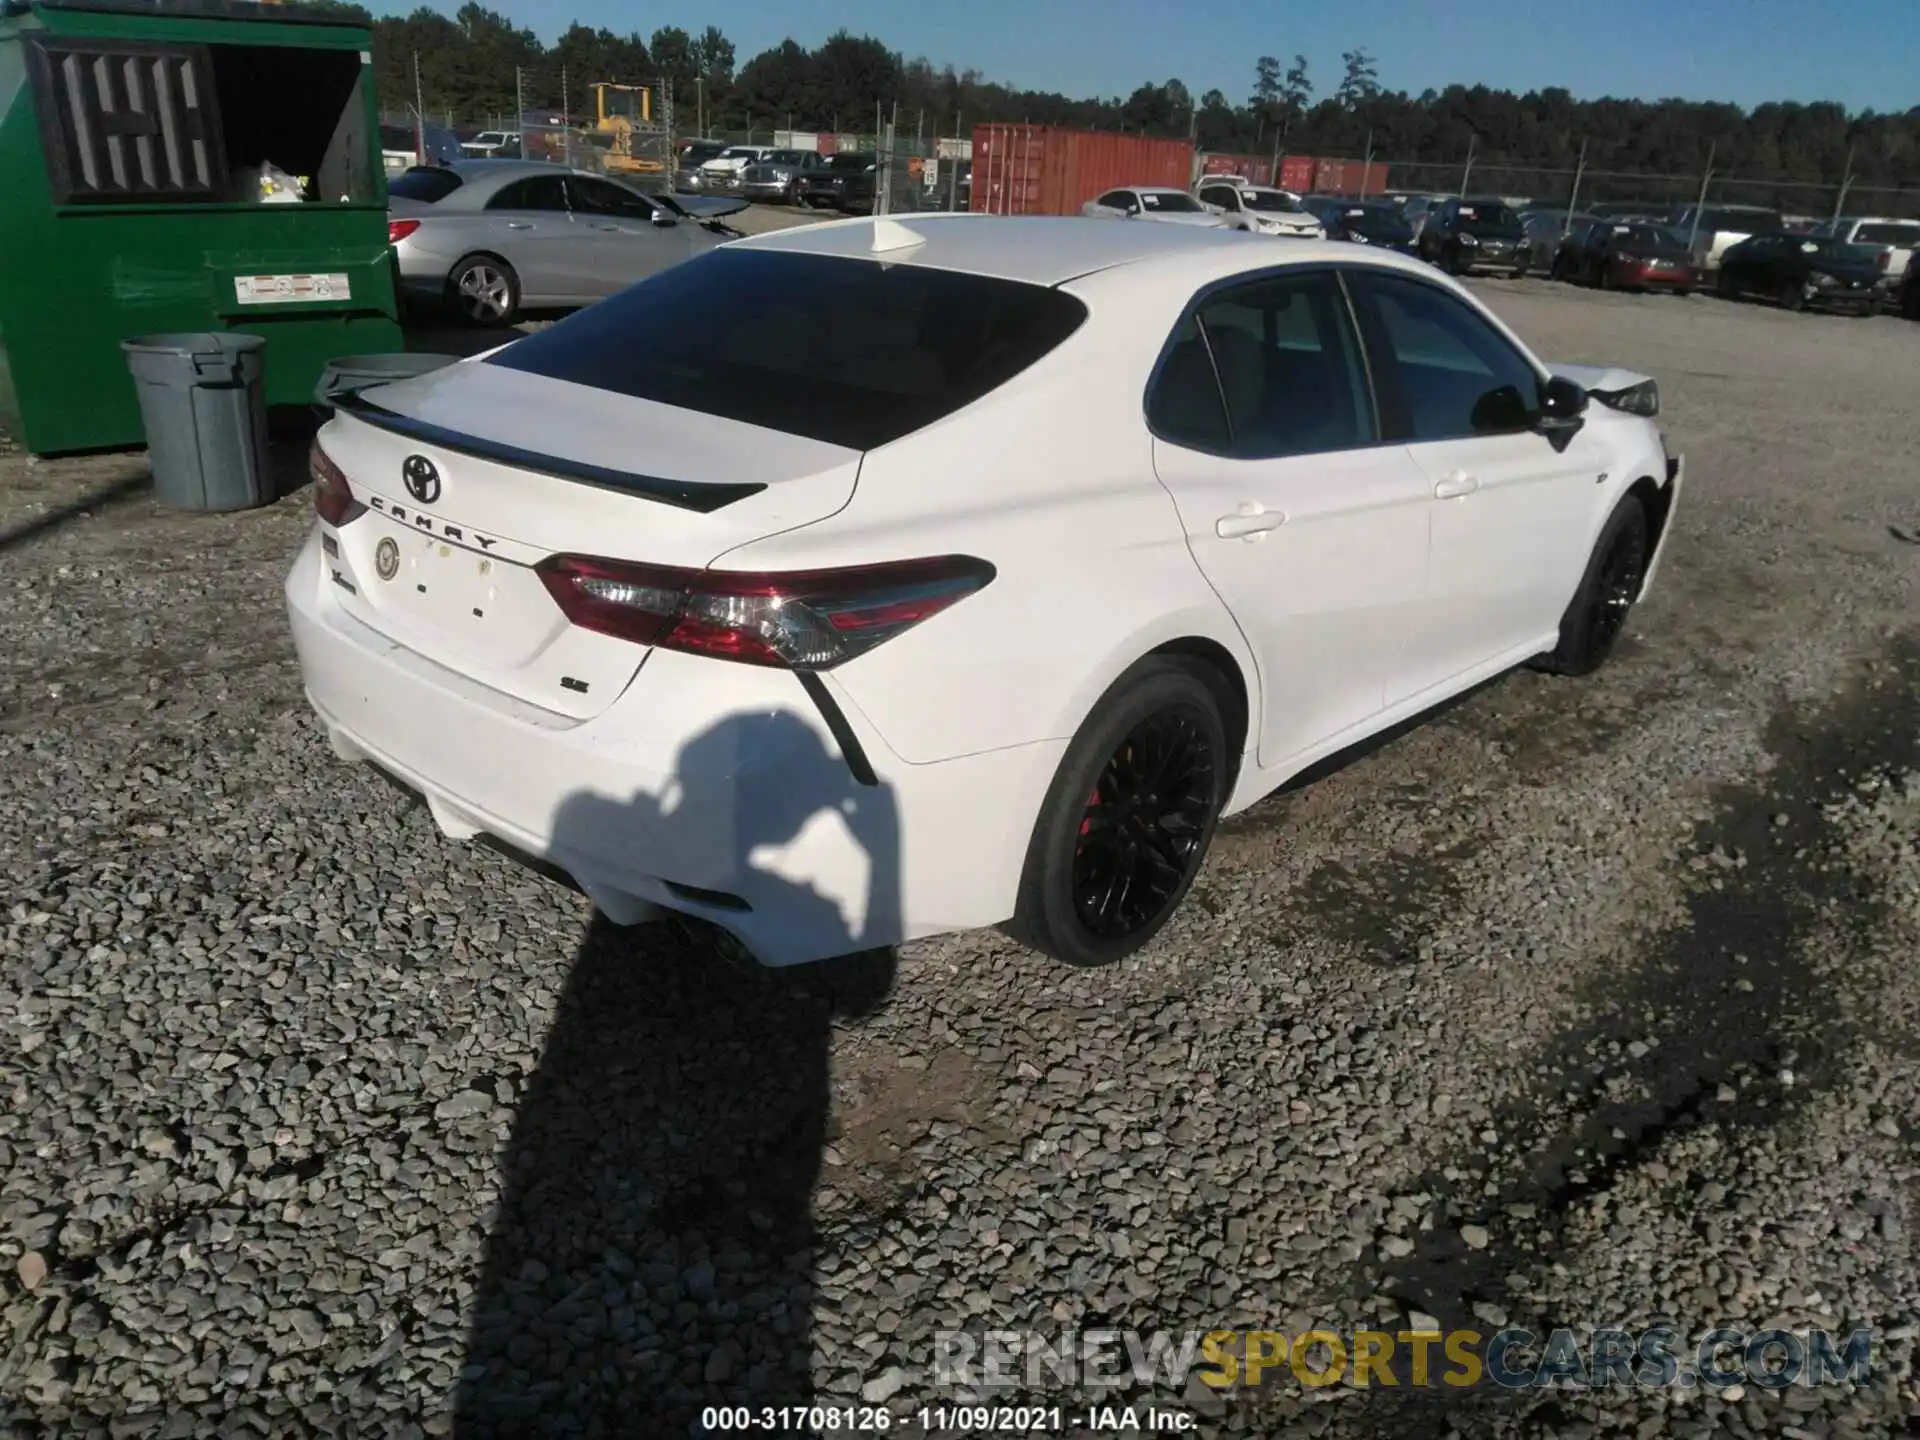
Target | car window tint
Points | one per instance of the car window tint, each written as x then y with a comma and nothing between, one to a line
845,351
536,192
1456,375
1185,405
599,197
1289,367
424,185
1902,233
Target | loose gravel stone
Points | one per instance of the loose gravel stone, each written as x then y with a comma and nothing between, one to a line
316,1122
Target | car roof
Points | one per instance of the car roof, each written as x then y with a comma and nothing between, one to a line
1154,189
480,178
1051,250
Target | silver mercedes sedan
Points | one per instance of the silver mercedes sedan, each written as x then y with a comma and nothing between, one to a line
491,238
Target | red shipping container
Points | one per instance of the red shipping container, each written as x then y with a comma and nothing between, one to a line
1046,170
1248,167
1296,173
827,142
1349,177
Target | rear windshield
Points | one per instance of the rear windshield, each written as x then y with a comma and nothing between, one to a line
1903,233
1647,240
844,351
850,162
1744,222
423,184
1489,215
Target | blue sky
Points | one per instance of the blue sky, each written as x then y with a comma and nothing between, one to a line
1862,53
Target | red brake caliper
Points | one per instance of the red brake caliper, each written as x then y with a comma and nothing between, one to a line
1086,822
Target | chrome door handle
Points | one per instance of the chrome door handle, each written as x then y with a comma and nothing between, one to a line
1250,523
1455,484
519,225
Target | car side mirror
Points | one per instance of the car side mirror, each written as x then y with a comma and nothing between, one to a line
1562,404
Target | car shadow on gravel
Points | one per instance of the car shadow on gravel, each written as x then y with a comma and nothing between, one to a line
1722,1022
651,1252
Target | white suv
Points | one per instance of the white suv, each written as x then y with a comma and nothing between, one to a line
1260,209
727,168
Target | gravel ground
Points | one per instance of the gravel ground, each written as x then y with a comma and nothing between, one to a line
1582,1003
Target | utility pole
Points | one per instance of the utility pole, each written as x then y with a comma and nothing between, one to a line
566,121
1466,175
419,116
700,104
1706,179
1366,166
520,110
1573,197
1846,184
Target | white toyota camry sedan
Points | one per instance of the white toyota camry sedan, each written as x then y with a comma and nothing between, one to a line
881,578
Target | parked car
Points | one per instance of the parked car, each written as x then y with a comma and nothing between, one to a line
1802,271
1363,222
724,170
1711,231
489,144
1545,229
1907,297
1475,234
846,182
777,177
1152,202
692,155
1625,255
404,145
493,237
1261,209
1380,498
1895,240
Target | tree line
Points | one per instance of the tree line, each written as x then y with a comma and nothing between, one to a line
467,65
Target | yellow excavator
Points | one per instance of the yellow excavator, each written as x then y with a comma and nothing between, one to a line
617,111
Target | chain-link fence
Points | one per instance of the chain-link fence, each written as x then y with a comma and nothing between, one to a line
1582,187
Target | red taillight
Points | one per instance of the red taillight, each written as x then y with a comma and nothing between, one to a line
333,500
1886,259
799,619
398,230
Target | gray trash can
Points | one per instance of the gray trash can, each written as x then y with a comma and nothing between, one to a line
206,422
357,372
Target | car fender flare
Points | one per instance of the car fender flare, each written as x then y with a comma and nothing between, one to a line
1190,628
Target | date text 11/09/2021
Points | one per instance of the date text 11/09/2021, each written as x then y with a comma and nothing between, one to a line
942,1419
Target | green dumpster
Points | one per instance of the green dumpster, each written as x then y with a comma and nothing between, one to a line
181,166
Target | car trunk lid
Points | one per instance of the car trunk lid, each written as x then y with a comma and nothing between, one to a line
473,475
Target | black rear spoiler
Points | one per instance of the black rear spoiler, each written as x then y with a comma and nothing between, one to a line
684,494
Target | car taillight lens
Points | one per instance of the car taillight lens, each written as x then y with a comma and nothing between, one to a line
398,230
333,500
798,619
1886,258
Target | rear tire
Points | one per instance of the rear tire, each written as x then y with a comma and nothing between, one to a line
1792,297
484,291
1597,615
1728,287
1128,818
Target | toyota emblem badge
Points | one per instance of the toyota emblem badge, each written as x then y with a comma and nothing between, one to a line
423,480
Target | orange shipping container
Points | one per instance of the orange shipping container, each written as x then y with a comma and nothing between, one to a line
1349,177
1046,170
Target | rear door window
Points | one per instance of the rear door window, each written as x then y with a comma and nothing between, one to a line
536,192
602,197
1290,380
844,351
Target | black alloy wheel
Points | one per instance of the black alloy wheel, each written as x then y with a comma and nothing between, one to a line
1597,614
1129,815
1623,565
1145,821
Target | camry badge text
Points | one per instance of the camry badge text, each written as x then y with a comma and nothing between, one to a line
430,525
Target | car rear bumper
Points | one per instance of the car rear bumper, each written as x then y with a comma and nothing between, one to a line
712,789
1478,257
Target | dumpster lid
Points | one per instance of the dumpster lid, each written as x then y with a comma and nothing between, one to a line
269,10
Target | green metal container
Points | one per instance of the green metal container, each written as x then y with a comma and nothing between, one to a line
133,134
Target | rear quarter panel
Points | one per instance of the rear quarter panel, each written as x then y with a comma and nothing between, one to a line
1051,480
